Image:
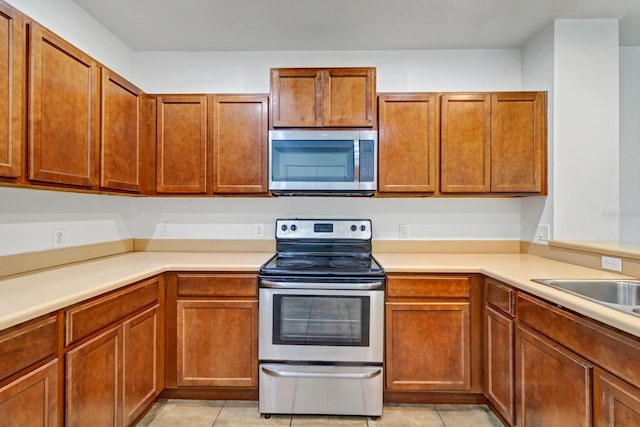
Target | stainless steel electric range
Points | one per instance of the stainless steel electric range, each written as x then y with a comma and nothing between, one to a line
321,320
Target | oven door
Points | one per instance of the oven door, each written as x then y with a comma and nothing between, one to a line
321,325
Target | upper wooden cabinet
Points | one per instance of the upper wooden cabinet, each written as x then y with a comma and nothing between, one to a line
465,143
122,147
518,127
493,143
11,91
407,142
181,144
63,111
312,97
239,125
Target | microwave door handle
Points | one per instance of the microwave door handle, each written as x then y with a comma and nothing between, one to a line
320,285
356,160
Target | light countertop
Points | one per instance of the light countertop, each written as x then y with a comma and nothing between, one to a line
30,295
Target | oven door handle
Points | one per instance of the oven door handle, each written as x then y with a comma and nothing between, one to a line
321,285
289,374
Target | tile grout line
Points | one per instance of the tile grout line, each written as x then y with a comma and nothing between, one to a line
440,416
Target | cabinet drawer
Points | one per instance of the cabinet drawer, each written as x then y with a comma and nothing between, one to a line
84,319
217,285
428,287
500,296
26,344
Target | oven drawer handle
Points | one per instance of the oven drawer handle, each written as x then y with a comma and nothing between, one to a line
365,375
320,285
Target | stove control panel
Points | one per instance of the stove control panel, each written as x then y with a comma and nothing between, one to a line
359,229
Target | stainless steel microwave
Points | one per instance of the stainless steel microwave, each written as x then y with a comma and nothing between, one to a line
323,162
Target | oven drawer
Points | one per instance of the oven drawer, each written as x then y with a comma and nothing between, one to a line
321,389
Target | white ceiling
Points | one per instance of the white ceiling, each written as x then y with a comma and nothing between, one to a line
246,25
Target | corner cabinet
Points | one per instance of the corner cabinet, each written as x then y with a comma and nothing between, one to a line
64,110
493,143
333,97
11,91
407,143
121,156
216,340
239,143
114,362
181,144
432,335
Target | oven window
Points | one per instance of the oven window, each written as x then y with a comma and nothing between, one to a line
316,161
321,320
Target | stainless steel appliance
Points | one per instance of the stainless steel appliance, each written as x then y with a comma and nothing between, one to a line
321,320
320,162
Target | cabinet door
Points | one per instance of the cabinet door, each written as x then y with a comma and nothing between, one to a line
465,143
517,142
11,91
348,97
32,400
428,346
93,381
617,402
217,343
553,385
296,96
63,111
407,143
121,154
181,144
140,368
239,143
499,370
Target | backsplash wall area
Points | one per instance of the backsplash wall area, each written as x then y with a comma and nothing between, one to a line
236,218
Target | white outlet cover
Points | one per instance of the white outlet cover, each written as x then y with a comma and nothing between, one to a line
58,237
543,233
403,231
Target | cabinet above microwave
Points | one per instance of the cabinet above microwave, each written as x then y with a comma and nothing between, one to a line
331,97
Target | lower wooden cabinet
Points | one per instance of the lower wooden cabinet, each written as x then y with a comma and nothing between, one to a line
31,400
93,381
499,370
553,386
428,346
217,343
113,377
617,403
499,325
432,334
216,338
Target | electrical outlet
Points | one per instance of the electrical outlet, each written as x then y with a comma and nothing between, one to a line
58,237
403,231
543,233
164,228
258,230
611,263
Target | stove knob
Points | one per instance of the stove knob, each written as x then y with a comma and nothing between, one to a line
294,227
354,228
363,228
284,227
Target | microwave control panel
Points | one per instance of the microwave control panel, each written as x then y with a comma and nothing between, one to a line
367,160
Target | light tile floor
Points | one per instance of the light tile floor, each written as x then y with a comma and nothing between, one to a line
234,413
